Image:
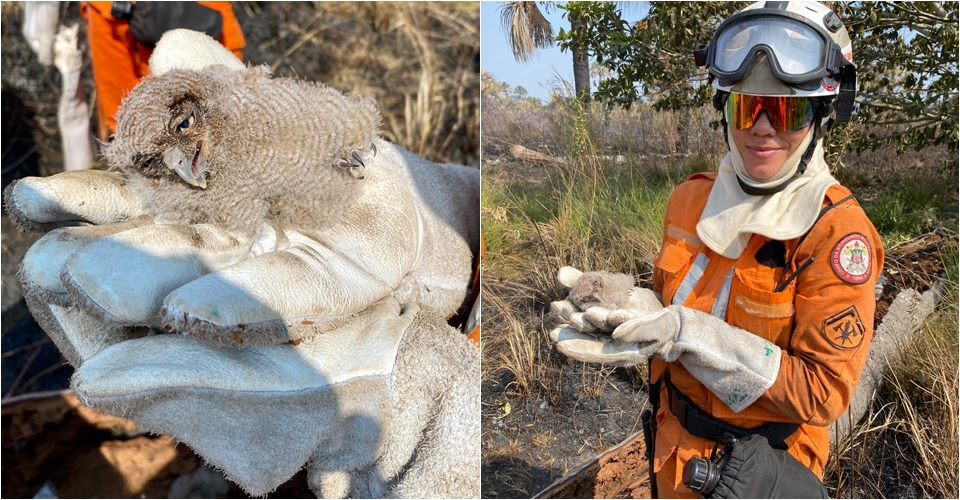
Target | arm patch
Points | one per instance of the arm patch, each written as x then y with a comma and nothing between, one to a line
852,258
844,330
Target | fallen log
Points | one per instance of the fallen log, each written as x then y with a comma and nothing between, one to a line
528,155
620,472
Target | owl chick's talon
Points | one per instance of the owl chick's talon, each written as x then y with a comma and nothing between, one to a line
373,147
353,163
358,162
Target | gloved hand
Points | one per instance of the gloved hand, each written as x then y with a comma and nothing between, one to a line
387,405
734,364
342,399
207,282
595,295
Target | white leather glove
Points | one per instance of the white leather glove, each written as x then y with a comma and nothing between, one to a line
416,223
270,412
40,21
734,364
387,405
73,118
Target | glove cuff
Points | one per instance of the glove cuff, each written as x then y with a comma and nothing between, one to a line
734,364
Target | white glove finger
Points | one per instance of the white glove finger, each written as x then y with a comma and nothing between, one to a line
578,321
77,334
568,332
643,299
184,49
263,301
662,325
68,198
598,317
621,316
284,401
123,278
593,349
46,259
568,276
563,309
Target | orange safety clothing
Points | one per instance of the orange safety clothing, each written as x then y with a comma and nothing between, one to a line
474,335
119,61
822,321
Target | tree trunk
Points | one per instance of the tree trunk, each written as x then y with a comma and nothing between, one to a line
581,63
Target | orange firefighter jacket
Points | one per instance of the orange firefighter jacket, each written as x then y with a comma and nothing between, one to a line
822,320
474,334
120,61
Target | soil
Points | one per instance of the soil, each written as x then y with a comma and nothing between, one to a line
52,439
535,444
622,472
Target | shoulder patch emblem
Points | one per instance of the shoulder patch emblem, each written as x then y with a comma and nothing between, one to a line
844,330
852,258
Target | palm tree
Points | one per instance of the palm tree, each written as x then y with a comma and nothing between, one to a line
527,30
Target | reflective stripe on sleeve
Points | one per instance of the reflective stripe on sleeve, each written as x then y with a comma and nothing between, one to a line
691,279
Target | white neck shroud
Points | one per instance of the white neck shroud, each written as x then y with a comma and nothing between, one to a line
732,216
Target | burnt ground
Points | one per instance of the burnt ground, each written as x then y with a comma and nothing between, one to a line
535,437
531,443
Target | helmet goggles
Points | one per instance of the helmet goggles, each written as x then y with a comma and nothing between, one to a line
798,51
787,114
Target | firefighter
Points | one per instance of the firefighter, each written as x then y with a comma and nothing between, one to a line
764,300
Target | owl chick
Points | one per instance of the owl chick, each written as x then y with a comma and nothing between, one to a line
598,288
236,148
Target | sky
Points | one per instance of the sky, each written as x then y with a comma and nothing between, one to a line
535,75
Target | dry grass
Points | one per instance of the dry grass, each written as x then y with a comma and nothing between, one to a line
516,351
907,446
417,59
596,212
542,439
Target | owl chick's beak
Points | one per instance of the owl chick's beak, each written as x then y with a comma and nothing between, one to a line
187,167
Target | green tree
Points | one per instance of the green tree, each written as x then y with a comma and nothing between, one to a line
906,56
527,30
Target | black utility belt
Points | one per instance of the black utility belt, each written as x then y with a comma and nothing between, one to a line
703,425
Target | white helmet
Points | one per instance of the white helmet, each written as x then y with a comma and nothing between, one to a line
795,48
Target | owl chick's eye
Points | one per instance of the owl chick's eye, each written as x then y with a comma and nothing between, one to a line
186,124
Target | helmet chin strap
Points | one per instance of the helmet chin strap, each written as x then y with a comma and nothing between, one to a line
751,186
